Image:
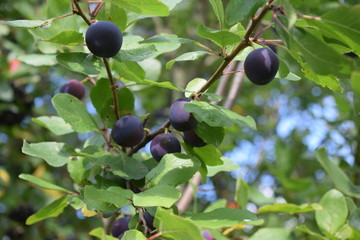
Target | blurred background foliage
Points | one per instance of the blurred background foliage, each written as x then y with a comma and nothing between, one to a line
277,161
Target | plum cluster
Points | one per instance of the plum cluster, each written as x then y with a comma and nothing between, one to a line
104,39
261,66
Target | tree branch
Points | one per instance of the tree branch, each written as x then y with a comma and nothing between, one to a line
80,12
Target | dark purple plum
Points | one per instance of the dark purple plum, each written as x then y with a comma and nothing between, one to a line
121,235
271,46
163,144
149,220
193,139
261,66
120,226
128,131
104,39
73,87
351,54
179,118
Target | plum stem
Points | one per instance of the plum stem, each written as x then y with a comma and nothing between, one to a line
143,220
112,87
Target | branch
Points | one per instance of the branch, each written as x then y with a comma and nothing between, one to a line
80,12
112,87
187,195
234,90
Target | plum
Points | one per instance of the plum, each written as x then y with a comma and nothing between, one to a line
128,131
261,66
73,87
193,139
120,226
163,144
271,46
149,220
104,39
179,118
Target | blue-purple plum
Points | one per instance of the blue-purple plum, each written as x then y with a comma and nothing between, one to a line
128,131
193,139
149,220
73,87
163,144
261,66
120,226
179,118
271,46
104,39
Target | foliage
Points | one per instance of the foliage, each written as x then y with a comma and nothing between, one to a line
295,184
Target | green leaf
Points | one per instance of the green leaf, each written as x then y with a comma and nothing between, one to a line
222,38
55,154
131,71
171,3
210,135
79,169
242,192
175,227
100,233
56,125
270,234
121,164
339,178
239,10
42,183
221,217
173,169
355,79
54,209
227,166
219,11
289,208
133,235
341,24
27,23
290,12
87,64
217,116
144,7
68,37
194,86
136,54
167,38
160,195
334,212
189,56
315,235
318,55
102,99
329,81
38,60
116,195
218,204
209,154
354,220
115,14
74,112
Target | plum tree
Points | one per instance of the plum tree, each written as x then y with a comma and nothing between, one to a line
179,118
128,131
261,66
149,220
73,87
104,39
120,226
193,139
163,144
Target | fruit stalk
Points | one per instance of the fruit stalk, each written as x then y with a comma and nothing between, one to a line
112,87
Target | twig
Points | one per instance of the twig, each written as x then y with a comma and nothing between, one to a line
223,81
187,196
309,17
155,236
142,218
237,71
112,87
234,90
80,12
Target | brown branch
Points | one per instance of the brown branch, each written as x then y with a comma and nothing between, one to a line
234,90
309,17
143,220
112,87
155,236
80,12
187,195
